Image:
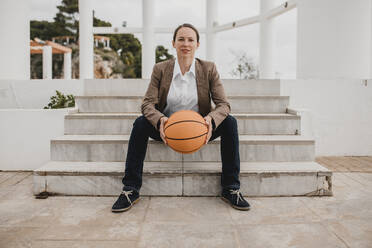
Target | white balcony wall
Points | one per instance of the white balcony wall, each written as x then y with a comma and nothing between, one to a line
333,39
25,127
35,94
25,136
340,113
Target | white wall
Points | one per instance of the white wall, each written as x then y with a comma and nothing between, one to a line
25,136
14,39
25,127
341,112
370,45
35,94
333,39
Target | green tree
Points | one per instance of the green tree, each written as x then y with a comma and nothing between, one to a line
66,19
129,48
43,30
66,22
162,54
100,23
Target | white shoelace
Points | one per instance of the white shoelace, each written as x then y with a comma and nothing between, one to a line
127,193
238,194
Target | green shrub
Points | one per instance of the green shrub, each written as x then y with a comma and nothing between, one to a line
61,101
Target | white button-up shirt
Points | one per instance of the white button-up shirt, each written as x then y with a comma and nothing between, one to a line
182,92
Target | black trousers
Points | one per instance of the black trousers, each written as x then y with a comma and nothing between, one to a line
143,129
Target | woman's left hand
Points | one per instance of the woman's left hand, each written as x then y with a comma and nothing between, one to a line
208,120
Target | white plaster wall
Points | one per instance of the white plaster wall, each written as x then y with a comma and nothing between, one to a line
25,127
25,136
341,113
370,44
35,94
334,39
14,39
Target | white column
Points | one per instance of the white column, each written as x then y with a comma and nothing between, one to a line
15,39
333,39
96,42
86,39
210,34
47,62
108,43
67,66
148,48
266,56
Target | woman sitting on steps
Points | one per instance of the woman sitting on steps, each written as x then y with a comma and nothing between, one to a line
183,83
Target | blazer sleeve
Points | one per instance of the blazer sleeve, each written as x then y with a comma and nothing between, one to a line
151,98
217,92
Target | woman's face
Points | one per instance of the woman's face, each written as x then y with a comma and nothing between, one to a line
186,43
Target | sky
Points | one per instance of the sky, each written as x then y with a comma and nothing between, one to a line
171,13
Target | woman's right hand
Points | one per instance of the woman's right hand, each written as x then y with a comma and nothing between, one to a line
163,120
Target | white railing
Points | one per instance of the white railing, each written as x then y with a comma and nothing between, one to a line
281,9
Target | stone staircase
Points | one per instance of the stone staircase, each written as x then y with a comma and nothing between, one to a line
276,160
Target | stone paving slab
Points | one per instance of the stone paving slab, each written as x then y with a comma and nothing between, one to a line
181,234
82,243
347,163
343,220
354,232
272,211
304,235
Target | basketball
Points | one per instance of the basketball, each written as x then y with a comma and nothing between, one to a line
185,131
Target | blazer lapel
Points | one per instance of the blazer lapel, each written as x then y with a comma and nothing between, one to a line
200,84
165,84
168,75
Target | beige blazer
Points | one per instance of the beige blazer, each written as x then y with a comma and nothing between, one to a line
209,87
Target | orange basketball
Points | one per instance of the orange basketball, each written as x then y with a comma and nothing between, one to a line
185,131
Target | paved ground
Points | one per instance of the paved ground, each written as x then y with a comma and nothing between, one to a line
344,220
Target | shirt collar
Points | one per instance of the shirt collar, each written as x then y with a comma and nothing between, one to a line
177,68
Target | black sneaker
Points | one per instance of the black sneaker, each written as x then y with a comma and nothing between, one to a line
126,200
235,199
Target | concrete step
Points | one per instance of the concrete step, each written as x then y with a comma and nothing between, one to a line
121,123
186,179
123,104
138,87
112,148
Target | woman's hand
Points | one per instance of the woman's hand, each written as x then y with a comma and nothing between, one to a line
163,120
208,120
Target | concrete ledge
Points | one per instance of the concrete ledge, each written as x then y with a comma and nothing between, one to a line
306,120
111,148
122,123
122,104
127,87
188,179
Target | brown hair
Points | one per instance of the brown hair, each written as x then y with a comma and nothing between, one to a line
186,25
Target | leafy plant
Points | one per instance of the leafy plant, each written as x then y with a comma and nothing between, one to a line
60,101
245,68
